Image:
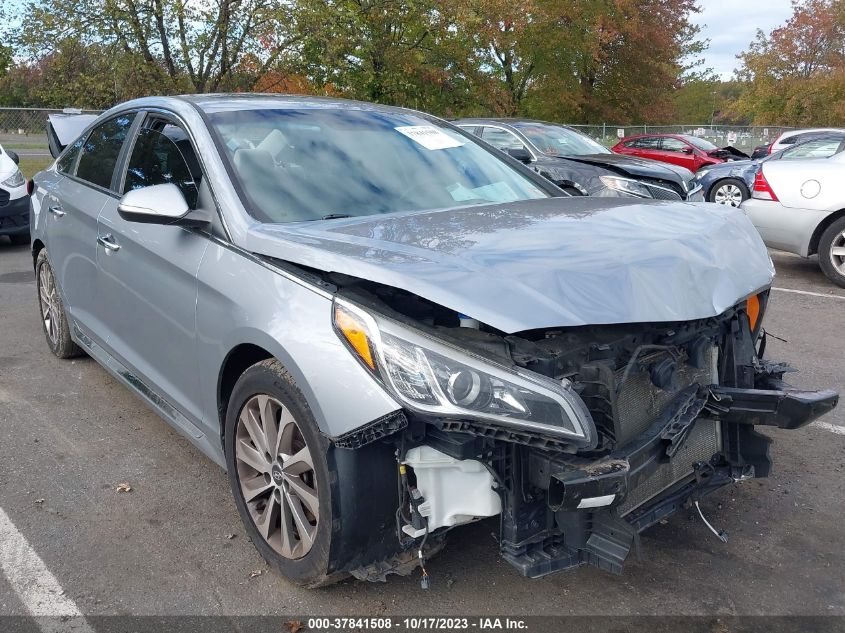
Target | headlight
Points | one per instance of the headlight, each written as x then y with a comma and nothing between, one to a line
15,180
432,377
627,186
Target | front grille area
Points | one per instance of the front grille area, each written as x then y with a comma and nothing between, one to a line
4,197
704,441
661,193
639,402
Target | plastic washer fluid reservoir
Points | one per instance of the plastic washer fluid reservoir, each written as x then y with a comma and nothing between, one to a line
455,491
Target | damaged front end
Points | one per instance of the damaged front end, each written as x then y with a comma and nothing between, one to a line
578,438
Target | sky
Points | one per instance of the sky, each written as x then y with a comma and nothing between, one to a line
731,25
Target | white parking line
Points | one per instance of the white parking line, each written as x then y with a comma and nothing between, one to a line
812,294
37,588
827,426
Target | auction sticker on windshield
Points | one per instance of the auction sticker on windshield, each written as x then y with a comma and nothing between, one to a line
429,136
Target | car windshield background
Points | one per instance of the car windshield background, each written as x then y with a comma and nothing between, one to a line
101,150
700,143
306,164
554,140
818,148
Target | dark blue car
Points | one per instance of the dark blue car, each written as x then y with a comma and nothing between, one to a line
731,183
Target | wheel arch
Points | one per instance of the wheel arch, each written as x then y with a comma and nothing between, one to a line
813,247
37,247
237,361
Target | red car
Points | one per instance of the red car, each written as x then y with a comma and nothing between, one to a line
678,149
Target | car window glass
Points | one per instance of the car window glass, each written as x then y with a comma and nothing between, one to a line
67,161
161,157
819,148
101,149
501,138
292,165
673,145
647,142
556,140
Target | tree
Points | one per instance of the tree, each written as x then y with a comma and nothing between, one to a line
193,45
795,75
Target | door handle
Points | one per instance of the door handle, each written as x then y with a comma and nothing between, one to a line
108,243
56,210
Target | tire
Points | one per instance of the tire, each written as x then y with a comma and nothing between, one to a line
832,252
730,192
19,240
54,322
304,563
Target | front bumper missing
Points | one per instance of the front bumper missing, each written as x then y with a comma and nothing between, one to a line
704,440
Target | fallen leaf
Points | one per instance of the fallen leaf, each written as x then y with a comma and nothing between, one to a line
256,572
294,626
124,487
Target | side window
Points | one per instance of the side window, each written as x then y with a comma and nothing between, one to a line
502,139
67,161
164,156
472,129
646,142
819,148
673,145
101,150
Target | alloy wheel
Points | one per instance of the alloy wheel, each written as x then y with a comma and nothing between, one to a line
728,194
276,475
49,301
837,253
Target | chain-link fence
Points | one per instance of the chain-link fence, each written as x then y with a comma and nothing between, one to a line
743,137
25,128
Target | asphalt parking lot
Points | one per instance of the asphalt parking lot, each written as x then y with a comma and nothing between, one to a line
70,434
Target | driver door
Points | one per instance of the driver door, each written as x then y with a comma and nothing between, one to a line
147,272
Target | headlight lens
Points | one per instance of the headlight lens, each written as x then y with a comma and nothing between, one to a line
627,186
15,180
433,377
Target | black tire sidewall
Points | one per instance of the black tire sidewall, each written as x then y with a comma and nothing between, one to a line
64,347
269,377
825,244
711,195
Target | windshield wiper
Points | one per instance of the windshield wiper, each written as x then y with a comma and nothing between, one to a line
335,216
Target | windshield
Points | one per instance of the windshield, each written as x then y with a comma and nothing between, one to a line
295,165
556,140
700,143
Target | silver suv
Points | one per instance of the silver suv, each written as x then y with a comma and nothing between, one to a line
383,330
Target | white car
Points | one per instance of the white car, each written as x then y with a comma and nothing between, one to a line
799,205
14,201
792,137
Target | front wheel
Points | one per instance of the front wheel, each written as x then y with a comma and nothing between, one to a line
832,252
731,192
280,474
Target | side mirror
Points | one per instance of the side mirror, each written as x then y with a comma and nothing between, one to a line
156,204
687,150
14,156
520,154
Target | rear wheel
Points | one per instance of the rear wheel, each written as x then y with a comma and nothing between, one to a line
54,321
731,192
832,252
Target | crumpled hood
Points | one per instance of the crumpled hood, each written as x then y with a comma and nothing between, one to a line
544,263
637,166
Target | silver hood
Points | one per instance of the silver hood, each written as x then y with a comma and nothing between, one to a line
544,263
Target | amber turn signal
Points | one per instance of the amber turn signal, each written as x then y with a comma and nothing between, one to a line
752,308
354,330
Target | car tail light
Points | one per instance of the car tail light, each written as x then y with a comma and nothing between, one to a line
762,189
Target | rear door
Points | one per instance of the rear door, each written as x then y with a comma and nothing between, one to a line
70,209
148,271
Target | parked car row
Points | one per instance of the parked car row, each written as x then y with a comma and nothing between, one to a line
384,328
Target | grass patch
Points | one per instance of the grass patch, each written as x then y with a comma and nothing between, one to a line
31,165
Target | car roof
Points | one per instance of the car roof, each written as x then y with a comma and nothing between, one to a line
810,130
504,121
